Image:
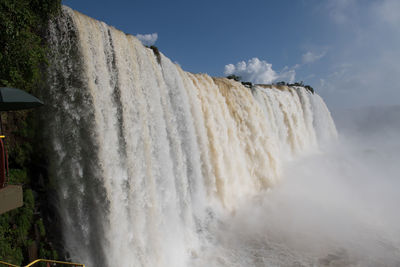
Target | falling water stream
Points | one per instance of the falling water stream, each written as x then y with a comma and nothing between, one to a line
150,161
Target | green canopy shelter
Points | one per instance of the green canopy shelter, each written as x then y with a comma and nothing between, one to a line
16,99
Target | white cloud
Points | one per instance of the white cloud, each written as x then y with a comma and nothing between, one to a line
363,66
288,74
389,11
311,57
148,39
258,71
341,11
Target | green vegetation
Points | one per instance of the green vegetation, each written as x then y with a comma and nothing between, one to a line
22,23
234,77
247,84
309,88
156,53
237,78
22,58
301,84
281,83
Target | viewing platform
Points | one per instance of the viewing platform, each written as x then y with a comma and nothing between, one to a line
10,198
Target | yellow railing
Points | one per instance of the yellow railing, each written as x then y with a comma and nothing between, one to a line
45,261
8,264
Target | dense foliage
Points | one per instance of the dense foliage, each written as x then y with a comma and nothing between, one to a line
250,85
234,77
156,53
22,51
22,57
308,87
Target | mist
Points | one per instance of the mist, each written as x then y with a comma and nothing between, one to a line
334,207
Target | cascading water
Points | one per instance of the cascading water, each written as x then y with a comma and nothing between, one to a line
146,156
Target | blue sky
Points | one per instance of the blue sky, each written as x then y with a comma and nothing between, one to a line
348,50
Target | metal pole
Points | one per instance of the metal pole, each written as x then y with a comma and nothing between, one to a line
1,124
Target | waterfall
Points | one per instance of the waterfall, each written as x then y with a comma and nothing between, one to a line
145,155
